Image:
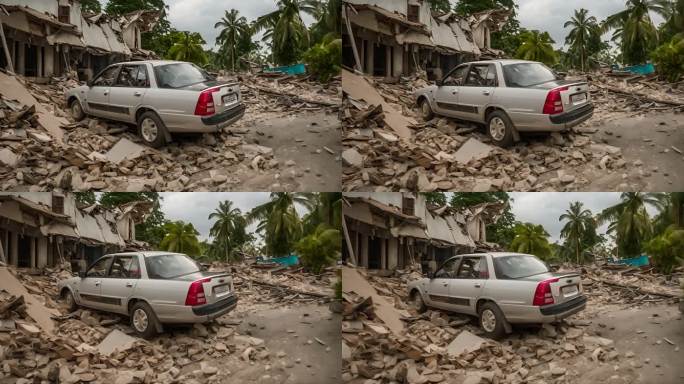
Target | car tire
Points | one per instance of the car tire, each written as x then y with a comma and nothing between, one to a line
492,321
417,301
425,110
143,320
152,129
500,129
76,110
70,301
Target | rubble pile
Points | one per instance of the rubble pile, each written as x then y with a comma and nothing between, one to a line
436,347
442,155
622,284
277,92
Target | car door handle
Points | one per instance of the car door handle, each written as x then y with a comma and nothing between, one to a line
454,92
446,284
129,284
477,285
106,93
485,93
137,93
97,283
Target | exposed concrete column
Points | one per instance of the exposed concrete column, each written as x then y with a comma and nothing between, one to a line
49,61
393,253
398,60
15,246
32,251
370,57
364,250
383,254
388,61
42,253
39,58
21,59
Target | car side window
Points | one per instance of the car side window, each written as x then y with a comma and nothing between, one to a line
127,76
106,78
99,269
481,75
125,267
448,270
473,268
456,77
141,78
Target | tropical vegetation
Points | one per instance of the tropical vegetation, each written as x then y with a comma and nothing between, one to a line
180,237
537,46
579,231
533,239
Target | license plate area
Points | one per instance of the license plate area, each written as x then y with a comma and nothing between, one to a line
578,98
229,99
569,290
221,289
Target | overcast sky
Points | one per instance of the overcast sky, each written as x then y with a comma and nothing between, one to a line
195,207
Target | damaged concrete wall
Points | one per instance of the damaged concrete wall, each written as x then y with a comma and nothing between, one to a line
44,6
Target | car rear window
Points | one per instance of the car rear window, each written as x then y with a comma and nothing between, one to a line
518,266
178,75
170,266
527,74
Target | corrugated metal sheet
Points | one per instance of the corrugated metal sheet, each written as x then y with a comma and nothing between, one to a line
112,39
438,229
93,36
88,227
110,237
443,36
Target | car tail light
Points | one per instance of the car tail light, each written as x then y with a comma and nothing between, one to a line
205,103
554,103
196,293
543,295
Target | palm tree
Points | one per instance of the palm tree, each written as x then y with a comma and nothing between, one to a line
674,22
188,47
180,237
279,221
229,229
630,221
290,37
584,29
574,231
537,46
320,249
234,30
532,239
635,29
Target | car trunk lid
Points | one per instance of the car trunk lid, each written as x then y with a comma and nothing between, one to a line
216,285
225,95
564,286
574,94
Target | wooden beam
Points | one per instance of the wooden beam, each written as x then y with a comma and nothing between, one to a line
351,38
4,46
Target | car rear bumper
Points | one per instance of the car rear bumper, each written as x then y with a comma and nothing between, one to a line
537,122
225,118
182,314
546,314
186,123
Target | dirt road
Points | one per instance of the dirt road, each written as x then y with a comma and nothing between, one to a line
649,145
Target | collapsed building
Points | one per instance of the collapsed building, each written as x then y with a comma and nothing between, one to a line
40,230
392,230
391,38
46,38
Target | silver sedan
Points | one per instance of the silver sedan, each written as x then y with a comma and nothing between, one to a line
161,97
501,289
508,96
152,288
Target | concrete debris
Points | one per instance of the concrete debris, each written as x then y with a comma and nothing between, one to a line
124,149
116,341
465,342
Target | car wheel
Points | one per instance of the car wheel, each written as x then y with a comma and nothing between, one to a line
69,300
418,303
500,129
492,321
76,110
426,110
143,320
152,129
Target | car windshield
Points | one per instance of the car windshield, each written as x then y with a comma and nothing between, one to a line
179,75
170,266
518,266
527,74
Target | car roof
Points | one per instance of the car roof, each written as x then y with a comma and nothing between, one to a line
502,61
496,254
144,253
153,62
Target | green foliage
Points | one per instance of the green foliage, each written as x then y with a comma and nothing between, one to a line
329,16
91,6
229,231
159,38
531,239
667,250
674,21
436,198
326,208
188,47
669,59
629,221
278,221
286,30
579,231
634,29
442,6
338,289
468,7
319,249
85,197
501,232
508,39
235,39
584,37
180,237
537,46
324,59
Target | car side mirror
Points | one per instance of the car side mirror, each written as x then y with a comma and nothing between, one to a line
89,83
439,82
430,275
82,274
